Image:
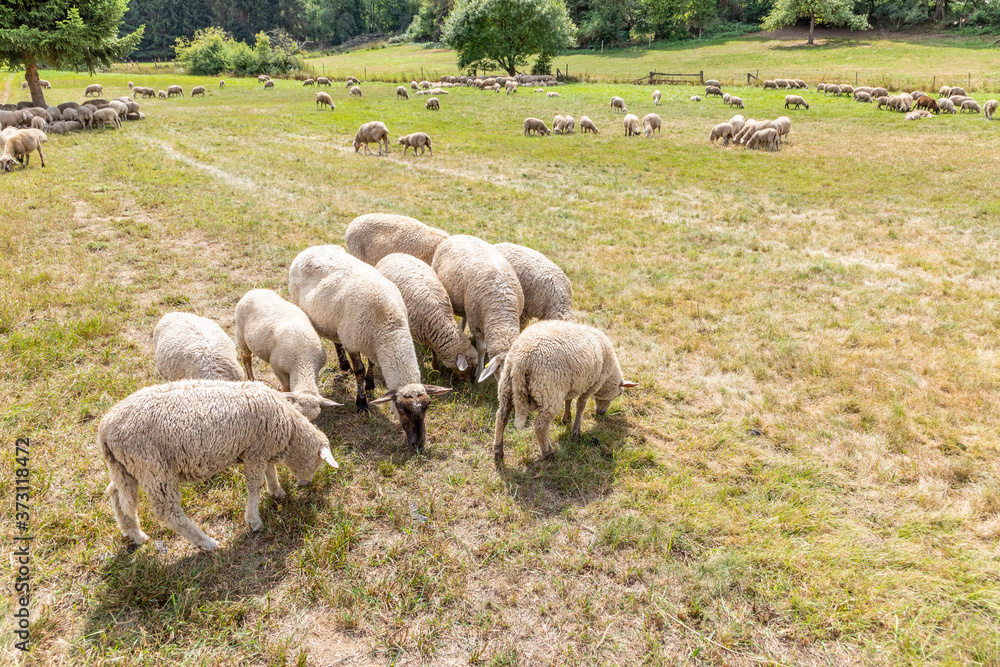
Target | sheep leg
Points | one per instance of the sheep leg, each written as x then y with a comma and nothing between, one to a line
40,156
165,499
124,502
503,416
581,403
282,379
273,487
345,365
568,411
358,365
246,359
542,422
370,376
256,474
429,150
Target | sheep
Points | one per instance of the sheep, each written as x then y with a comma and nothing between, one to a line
548,293
162,94
263,78
86,116
587,125
268,84
426,85
198,90
726,97
107,116
656,97
355,306
956,90
372,236
414,85
971,106
946,105
416,140
883,102
768,85
917,94
722,131
324,99
925,102
191,430
119,107
355,91
650,123
538,90
737,122
958,99
713,82
323,81
894,103
631,125
736,102
352,81
39,123
222,83
535,125
190,347
511,87
309,82
821,87
175,91
67,105
19,145
70,114
767,138
863,97
907,101
548,366
429,312
95,88
280,334
879,92
796,101
433,104
713,90
401,92
846,89
696,98
781,83
945,91
783,124
369,132
557,123
989,109
801,84
485,290
618,103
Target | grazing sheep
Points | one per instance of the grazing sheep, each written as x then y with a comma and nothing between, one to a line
191,430
883,102
352,81
429,312
971,106
280,334
946,105
956,90
917,94
39,123
548,293
355,91
796,101
863,97
369,132
511,87
372,236
535,125
879,92
958,99
107,116
548,366
355,306
70,114
24,85
162,94
324,99
767,138
726,97
737,122
18,147
722,131
696,98
175,91
713,82
95,88
309,82
768,85
650,123
550,94
783,124
989,109
189,347
416,140
433,104
821,87
781,83
713,90
401,92
631,124
323,81
268,84
945,91
925,102
414,85
538,90
587,125
736,102
618,103
262,78
222,83
846,89
801,84
484,289
656,97
198,90
907,101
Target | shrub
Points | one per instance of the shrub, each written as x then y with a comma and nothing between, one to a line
214,52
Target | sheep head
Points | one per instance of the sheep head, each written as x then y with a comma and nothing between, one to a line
609,392
410,403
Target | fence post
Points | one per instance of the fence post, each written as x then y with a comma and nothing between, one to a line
855,79
701,76
366,74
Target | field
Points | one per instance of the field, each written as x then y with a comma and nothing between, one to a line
806,475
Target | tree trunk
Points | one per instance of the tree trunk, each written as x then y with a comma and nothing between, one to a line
812,27
939,10
31,76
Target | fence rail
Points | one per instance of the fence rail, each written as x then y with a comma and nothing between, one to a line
663,77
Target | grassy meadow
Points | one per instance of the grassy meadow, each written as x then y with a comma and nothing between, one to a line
806,475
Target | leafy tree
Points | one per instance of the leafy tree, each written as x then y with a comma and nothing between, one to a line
62,33
830,12
611,21
490,34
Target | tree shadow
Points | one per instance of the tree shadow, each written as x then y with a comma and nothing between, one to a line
827,45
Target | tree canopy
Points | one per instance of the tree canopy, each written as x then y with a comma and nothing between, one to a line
62,33
830,12
492,34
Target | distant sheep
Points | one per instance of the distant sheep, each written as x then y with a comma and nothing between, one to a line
863,97
723,131
324,99
309,82
796,101
956,90
656,97
175,91
433,103
373,131
355,91
268,84
713,82
262,78
198,90
736,102
946,105
95,88
550,94
631,124
971,106
618,104
989,109
696,98
323,81
537,126
222,84
651,123
402,92
769,85
587,125
416,140
713,90
925,102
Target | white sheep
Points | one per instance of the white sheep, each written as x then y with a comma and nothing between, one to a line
433,103
651,122
309,82
372,236
262,78
736,102
401,92
737,122
268,84
416,140
95,88
696,98
946,105
989,109
656,97
631,124
484,289
280,334
175,91
107,116
18,146
587,125
548,293
723,131
189,431
198,90
767,138
551,94
372,131
353,305
323,81
713,82
324,99
548,366
796,101
222,83
429,312
355,91
971,106
190,347
414,85
618,104
535,125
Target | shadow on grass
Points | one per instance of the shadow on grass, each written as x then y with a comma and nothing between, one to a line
827,45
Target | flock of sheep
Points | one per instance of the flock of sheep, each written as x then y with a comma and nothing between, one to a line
398,283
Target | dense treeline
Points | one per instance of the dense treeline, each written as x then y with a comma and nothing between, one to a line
332,22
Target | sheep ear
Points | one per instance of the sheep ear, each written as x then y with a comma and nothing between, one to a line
625,384
434,390
462,363
326,455
491,367
384,399
327,403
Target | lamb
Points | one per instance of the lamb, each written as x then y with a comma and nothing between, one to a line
548,293
355,306
401,92
971,106
946,105
722,131
656,97
198,90
369,132
535,125
736,102
768,85
557,124
189,347
173,91
323,81
355,91
372,236
280,334
796,101
107,116
550,94
429,312
191,430
696,98
309,82
989,109
631,124
268,84
650,123
18,148
737,122
162,94
587,125
618,103
324,99
767,138
433,104
416,140
222,83
713,90
484,289
925,102
39,123
95,88
863,97
551,364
